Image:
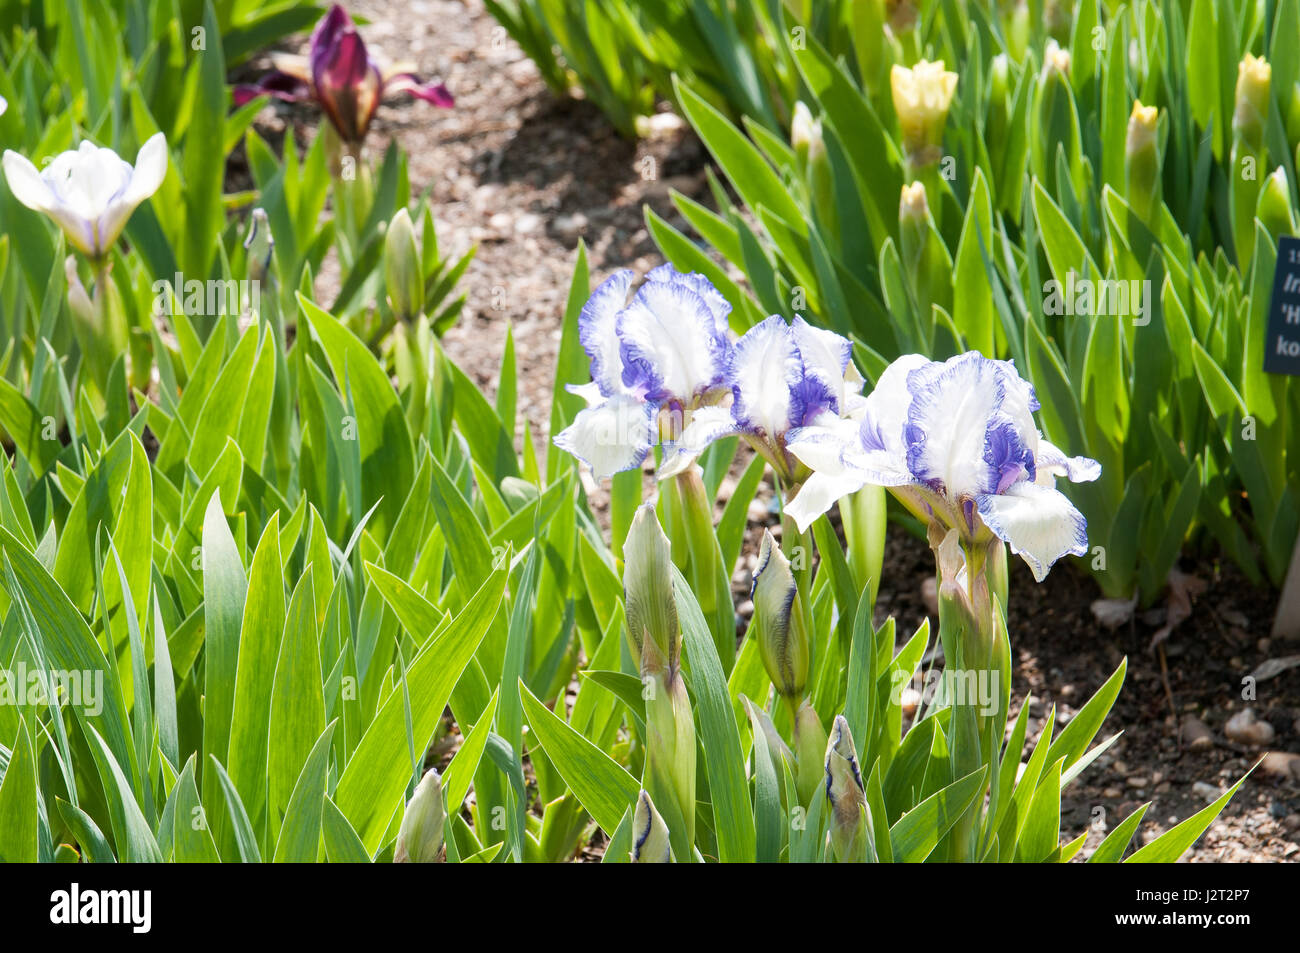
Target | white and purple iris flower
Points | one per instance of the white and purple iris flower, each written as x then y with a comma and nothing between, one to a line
342,77
90,192
956,442
658,372
665,371
785,376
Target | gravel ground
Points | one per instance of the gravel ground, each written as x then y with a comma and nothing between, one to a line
526,176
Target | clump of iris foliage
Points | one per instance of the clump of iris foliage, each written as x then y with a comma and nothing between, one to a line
253,553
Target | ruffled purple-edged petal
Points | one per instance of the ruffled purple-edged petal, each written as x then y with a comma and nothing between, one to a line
1007,454
670,344
611,437
1020,403
436,93
826,357
1052,462
1037,522
706,425
719,306
277,85
767,380
948,423
598,331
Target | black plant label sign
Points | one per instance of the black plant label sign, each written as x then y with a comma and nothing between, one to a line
1282,345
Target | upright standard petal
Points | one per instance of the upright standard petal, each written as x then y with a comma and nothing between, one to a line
826,358
598,331
884,412
766,372
953,408
718,305
611,437
671,347
150,169
145,179
1038,522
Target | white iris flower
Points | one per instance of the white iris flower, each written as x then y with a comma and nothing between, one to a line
90,192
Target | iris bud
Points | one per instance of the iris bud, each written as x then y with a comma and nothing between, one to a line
779,622
922,96
648,599
809,751
402,271
419,839
650,844
803,128
1056,62
913,219
1274,208
850,838
259,244
1254,79
1142,161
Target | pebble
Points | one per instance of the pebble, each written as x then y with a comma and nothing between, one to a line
1209,792
1281,764
909,701
1137,781
527,223
659,125
1196,734
1244,728
1112,792
570,227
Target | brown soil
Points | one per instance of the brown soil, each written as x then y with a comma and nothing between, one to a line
525,176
